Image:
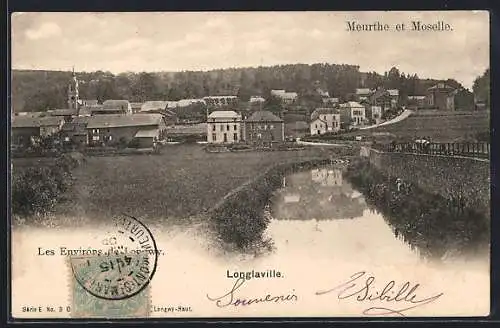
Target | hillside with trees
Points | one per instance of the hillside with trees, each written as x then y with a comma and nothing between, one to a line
42,90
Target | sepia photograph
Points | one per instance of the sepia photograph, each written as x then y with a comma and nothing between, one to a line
250,164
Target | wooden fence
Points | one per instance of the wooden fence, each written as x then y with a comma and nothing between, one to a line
478,149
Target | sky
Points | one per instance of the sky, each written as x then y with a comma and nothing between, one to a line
175,41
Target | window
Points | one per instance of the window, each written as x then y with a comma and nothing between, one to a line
324,117
271,127
316,126
110,138
227,127
95,138
236,137
213,127
222,127
214,137
235,127
265,126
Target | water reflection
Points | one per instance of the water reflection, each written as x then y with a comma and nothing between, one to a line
320,194
422,222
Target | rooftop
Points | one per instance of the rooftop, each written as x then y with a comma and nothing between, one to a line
123,120
363,91
441,86
112,104
34,122
224,114
320,111
154,105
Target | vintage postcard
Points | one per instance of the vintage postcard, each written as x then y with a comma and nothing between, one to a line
250,164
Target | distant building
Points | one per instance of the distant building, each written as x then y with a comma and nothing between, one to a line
221,101
113,107
330,101
363,94
26,130
66,113
286,97
112,129
441,96
394,95
352,113
155,106
417,101
224,127
325,120
256,99
185,103
88,102
75,131
382,98
263,127
136,107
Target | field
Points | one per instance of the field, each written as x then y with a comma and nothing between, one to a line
181,182
439,126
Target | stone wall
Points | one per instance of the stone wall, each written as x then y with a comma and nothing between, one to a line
451,177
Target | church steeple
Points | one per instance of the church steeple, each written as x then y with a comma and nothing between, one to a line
73,92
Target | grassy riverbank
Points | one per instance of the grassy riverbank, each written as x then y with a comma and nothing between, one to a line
434,225
182,182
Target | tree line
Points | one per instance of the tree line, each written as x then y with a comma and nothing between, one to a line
42,90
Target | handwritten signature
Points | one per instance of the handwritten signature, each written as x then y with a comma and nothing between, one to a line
230,298
365,291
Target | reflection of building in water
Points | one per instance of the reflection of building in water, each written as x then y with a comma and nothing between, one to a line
317,194
327,177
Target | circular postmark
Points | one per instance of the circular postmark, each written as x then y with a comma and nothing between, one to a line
124,267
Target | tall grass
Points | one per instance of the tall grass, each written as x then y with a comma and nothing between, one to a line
429,222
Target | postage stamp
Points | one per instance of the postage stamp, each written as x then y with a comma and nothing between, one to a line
114,282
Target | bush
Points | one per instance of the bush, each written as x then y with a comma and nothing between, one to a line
37,190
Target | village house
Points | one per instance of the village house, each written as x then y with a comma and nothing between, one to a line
394,95
417,102
154,106
263,127
27,130
362,94
256,99
286,97
75,131
221,101
160,107
66,114
352,113
330,101
88,102
325,120
185,103
441,97
224,127
116,129
113,107
136,107
381,98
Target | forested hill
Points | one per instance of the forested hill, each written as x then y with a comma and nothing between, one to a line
42,90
